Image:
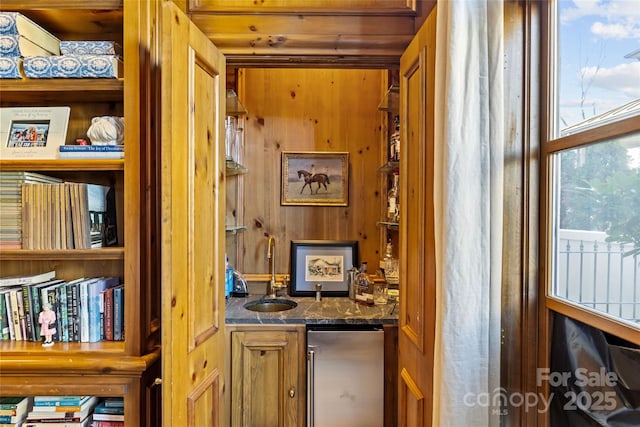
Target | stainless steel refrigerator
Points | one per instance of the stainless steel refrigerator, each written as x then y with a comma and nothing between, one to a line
345,377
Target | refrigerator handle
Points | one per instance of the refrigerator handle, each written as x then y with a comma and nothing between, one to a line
310,386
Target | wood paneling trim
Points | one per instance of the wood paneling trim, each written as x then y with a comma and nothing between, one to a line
273,60
370,7
209,392
412,401
261,25
302,44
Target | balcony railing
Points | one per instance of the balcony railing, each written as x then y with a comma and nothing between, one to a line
597,274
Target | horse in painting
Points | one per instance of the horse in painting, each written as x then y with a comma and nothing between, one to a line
322,179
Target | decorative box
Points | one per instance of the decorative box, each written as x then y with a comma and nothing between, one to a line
72,66
10,67
15,23
16,45
87,47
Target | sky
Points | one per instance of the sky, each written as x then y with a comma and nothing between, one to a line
595,36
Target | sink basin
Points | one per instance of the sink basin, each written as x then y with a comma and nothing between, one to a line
270,305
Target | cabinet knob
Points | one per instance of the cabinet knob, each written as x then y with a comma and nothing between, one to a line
156,382
292,392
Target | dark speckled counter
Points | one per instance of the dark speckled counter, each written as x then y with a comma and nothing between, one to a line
331,310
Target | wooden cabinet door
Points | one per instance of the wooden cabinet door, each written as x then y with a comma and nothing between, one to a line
266,378
417,237
192,216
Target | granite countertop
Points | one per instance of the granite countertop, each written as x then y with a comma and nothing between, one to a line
329,311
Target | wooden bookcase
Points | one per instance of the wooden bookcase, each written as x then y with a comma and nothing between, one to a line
108,368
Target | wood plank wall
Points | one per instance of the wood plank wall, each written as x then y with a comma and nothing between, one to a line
309,110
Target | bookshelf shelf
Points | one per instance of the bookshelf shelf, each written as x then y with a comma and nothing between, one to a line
112,5
14,349
98,254
62,165
19,92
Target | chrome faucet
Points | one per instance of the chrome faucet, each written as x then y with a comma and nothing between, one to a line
271,255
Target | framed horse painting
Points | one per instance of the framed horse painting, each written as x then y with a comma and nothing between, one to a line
315,178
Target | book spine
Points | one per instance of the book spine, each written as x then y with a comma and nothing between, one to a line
94,310
75,311
23,317
91,148
108,314
61,292
4,320
15,315
108,155
36,304
84,312
51,298
7,303
67,401
118,313
69,292
108,424
28,312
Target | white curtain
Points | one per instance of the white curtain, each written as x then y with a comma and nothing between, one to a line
469,142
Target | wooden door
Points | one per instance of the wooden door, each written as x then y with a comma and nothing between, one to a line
417,234
192,203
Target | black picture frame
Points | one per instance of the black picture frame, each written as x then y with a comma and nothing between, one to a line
322,261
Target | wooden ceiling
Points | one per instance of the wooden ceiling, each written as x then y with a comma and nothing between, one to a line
310,33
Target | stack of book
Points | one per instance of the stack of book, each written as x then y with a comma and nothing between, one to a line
13,410
109,413
11,204
68,411
21,37
86,310
68,215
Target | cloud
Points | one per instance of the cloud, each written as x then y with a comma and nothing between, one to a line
614,19
624,78
616,31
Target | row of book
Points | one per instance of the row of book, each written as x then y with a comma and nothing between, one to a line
45,213
85,309
61,411
28,49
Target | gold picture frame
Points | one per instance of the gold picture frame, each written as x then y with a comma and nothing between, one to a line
315,178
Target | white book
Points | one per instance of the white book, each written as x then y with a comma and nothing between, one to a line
26,280
91,155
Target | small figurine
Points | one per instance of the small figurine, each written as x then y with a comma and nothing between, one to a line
47,320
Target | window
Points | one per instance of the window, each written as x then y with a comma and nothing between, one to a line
592,160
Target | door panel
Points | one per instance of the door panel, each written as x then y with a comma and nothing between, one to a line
417,234
192,204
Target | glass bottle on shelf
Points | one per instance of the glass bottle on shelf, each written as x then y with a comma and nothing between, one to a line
393,200
364,286
394,141
390,266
